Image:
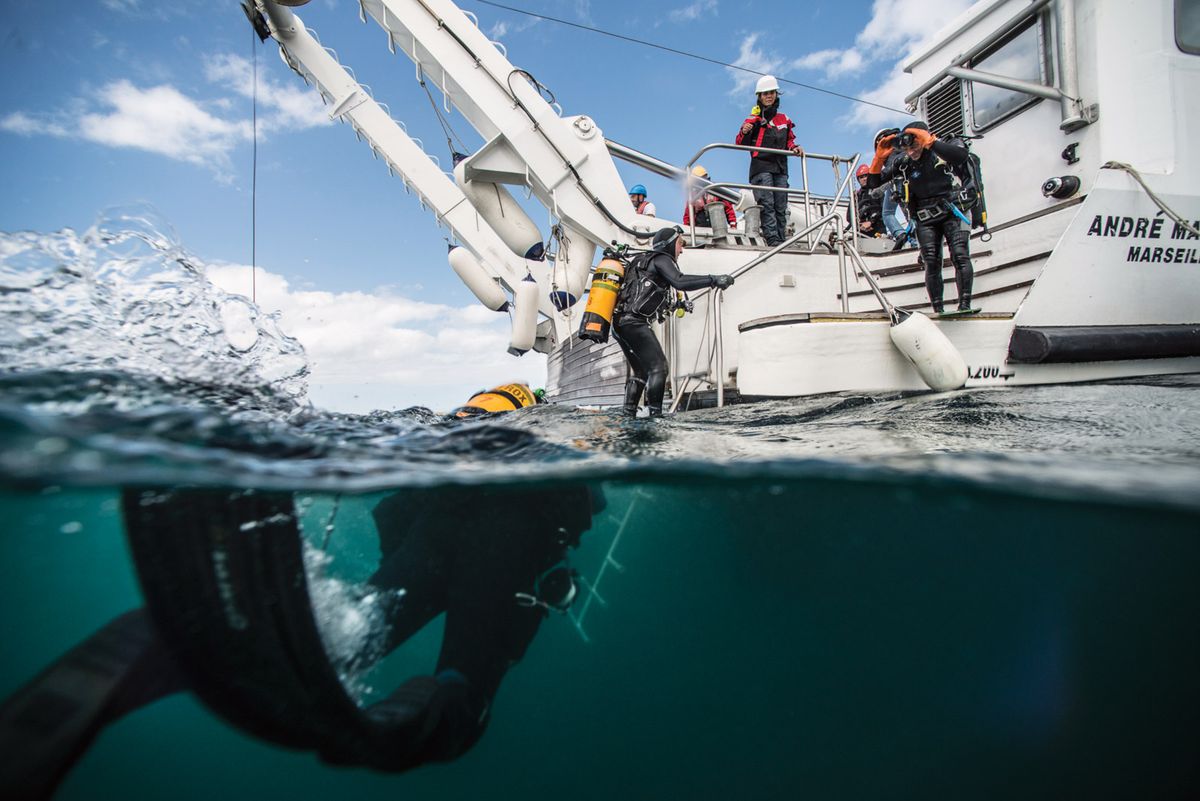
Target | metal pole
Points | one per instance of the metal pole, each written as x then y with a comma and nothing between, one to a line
1073,115
807,205
718,299
673,335
852,204
841,248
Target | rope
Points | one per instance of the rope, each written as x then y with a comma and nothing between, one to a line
1120,165
254,171
442,121
686,54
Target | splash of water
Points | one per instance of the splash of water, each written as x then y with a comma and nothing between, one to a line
125,296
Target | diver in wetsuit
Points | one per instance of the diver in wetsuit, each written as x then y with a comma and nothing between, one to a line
243,638
644,297
927,172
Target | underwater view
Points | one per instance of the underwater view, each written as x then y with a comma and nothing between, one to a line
982,593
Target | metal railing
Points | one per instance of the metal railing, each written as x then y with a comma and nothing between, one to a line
804,191
715,343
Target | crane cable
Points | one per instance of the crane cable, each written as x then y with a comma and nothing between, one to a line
686,54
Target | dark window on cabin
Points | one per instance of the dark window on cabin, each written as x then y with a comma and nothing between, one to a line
1187,25
944,110
1023,56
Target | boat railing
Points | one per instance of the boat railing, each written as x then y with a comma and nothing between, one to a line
804,192
715,369
715,373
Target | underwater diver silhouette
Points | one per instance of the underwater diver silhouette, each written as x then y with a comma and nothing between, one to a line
228,616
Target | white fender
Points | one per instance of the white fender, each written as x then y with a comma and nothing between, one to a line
498,207
572,268
524,316
937,360
472,273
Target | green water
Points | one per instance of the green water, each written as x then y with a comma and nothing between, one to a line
946,641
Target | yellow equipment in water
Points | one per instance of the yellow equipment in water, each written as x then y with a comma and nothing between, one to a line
504,398
602,299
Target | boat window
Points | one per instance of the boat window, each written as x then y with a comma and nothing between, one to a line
1187,25
1023,57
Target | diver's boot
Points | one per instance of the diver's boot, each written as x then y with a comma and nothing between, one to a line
964,302
656,411
633,396
938,306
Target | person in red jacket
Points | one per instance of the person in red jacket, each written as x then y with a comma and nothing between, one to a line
701,199
768,127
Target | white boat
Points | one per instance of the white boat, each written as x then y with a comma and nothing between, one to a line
1089,270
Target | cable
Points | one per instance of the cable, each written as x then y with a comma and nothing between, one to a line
446,127
254,174
688,55
1120,165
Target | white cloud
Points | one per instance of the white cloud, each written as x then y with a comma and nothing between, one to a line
501,29
693,12
163,120
896,30
834,63
890,92
382,350
283,107
21,123
751,57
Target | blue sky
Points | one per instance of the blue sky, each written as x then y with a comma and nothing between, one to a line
110,102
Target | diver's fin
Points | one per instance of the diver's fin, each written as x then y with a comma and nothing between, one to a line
46,726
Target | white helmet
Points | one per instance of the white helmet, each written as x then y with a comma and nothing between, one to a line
766,83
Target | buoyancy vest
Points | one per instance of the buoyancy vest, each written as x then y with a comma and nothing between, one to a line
642,292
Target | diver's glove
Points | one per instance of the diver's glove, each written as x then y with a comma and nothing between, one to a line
922,138
882,151
721,281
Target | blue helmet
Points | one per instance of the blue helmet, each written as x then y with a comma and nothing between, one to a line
638,189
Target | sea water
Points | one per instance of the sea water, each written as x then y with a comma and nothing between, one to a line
987,593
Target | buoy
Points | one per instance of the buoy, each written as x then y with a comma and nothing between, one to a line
504,398
572,267
472,273
931,352
933,355
524,316
602,299
497,206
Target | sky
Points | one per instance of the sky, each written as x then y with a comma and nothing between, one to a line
108,103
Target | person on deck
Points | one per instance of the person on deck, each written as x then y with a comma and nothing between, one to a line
644,297
700,200
870,209
926,171
768,127
637,196
893,225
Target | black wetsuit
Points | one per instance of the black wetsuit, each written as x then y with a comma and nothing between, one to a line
491,560
870,210
931,189
642,299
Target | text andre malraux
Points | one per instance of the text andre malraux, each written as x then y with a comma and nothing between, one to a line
1147,228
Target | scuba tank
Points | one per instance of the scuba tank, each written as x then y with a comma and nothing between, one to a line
602,298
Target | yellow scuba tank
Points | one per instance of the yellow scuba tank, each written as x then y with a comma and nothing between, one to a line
602,299
504,398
